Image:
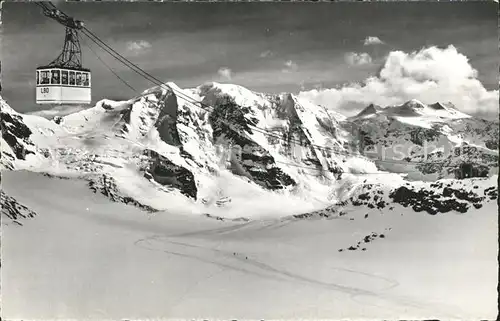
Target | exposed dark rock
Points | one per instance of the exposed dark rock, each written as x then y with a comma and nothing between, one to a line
14,131
491,192
364,196
106,185
467,170
462,195
427,200
14,210
302,216
169,174
491,144
55,176
253,160
367,239
167,121
419,135
57,119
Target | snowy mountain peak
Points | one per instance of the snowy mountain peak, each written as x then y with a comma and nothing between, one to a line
438,106
414,108
369,110
414,103
163,144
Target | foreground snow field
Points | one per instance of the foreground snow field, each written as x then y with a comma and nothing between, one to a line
83,256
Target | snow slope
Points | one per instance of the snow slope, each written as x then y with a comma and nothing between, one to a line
106,260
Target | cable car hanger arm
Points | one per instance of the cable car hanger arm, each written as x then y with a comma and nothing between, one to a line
52,12
71,55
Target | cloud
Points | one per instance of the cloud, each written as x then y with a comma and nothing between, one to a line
138,46
225,73
430,75
290,66
373,41
57,111
266,54
358,59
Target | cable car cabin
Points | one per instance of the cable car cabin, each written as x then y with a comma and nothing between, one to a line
56,85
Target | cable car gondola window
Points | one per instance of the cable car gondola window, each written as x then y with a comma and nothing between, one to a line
64,77
78,78
85,79
45,77
72,78
55,77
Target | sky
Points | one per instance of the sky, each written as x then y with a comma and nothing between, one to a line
341,55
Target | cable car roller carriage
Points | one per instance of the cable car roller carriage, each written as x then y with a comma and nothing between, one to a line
64,80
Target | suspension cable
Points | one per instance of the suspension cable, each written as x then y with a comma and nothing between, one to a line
109,68
200,104
205,107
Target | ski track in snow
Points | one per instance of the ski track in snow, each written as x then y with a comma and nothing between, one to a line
255,254
241,262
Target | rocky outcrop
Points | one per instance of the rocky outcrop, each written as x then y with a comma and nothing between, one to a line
363,243
13,210
16,134
106,185
439,198
166,124
250,159
426,200
165,172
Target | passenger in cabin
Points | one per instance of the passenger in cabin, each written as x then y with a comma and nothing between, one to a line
85,80
64,77
45,78
78,79
55,77
72,78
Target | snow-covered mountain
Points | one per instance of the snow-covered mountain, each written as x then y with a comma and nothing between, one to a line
435,140
162,151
